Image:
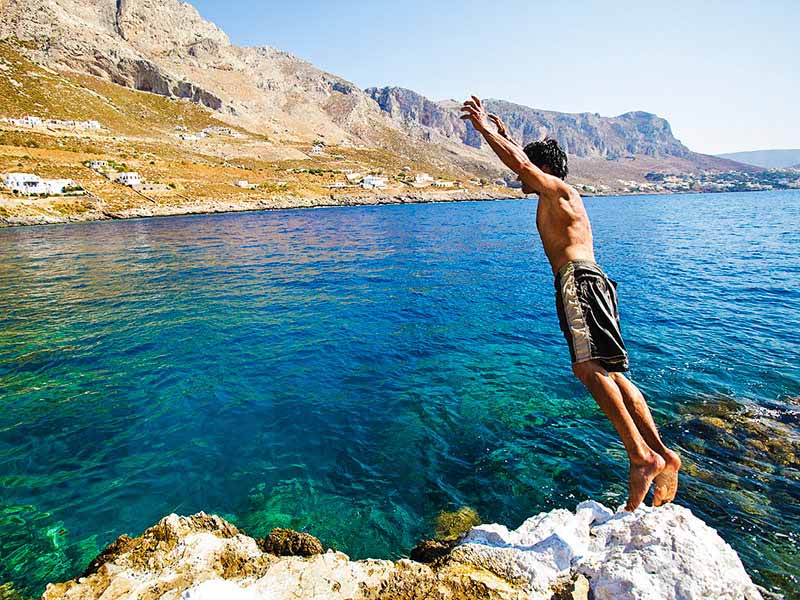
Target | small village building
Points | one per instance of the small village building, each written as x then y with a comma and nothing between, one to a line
244,184
444,184
423,179
129,178
16,181
373,182
317,150
30,121
97,165
30,184
57,186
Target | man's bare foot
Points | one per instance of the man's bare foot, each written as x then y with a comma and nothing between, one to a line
665,484
641,477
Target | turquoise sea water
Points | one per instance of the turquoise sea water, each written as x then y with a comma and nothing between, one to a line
353,372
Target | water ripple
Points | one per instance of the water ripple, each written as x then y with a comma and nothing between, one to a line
352,372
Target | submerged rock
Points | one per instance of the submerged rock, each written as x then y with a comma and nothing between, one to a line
652,554
287,542
452,525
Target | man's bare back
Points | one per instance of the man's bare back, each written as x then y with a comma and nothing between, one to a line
586,303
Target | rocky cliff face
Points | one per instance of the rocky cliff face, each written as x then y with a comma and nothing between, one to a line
652,554
589,134
415,111
164,46
585,134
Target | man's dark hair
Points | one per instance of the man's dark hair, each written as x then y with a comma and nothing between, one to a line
547,153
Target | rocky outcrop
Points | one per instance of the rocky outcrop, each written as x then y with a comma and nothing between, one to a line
665,554
287,542
652,554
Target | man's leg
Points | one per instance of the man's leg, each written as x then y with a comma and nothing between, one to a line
645,463
666,482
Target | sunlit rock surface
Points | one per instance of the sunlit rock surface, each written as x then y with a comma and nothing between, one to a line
657,554
665,553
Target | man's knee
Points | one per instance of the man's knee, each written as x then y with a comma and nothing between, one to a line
587,371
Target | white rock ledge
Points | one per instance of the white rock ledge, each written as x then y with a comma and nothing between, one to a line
653,554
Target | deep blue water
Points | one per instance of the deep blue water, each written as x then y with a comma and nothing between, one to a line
353,372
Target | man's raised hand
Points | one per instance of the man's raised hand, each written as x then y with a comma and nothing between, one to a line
498,122
477,115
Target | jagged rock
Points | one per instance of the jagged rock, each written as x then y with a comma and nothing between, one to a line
287,542
652,554
165,560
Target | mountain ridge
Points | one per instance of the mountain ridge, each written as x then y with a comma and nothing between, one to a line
587,135
303,135
778,158
167,47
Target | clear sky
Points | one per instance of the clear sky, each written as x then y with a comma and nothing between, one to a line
726,74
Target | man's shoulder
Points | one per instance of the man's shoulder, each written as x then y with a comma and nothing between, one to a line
559,190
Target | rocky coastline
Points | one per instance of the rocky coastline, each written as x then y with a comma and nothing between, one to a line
95,210
653,554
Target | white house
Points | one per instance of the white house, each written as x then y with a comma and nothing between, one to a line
444,184
29,184
317,150
373,182
56,186
30,121
19,181
96,165
129,178
423,180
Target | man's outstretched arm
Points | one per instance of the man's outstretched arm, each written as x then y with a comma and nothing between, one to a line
501,127
507,151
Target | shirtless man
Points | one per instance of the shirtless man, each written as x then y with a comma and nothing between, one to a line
586,302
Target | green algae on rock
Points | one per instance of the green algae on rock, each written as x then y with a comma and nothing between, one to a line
452,525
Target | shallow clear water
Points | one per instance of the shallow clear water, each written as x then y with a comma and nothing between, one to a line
353,372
